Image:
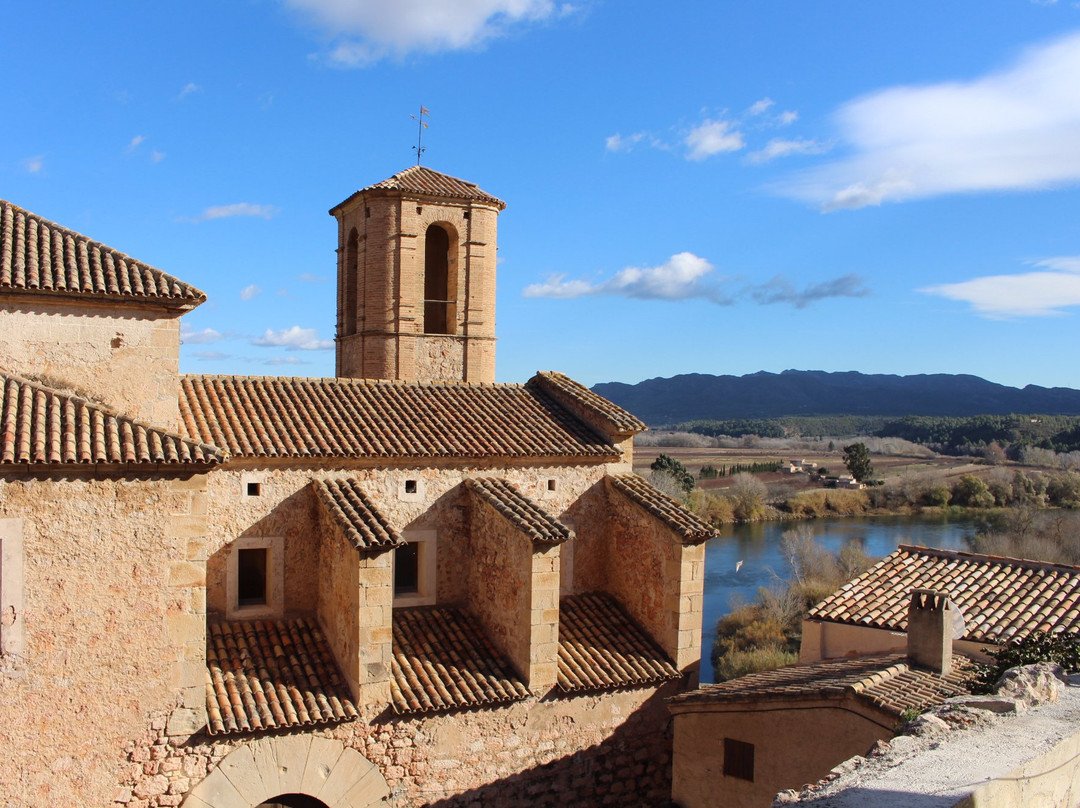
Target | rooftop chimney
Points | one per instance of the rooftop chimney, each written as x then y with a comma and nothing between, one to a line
931,620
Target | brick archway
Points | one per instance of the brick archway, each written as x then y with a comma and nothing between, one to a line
322,768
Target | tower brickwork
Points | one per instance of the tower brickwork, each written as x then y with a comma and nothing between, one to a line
416,280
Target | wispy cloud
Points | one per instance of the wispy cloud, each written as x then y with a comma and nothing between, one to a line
293,339
310,277
686,276
188,89
250,292
136,141
787,117
372,30
1014,129
713,137
779,147
237,209
286,360
761,106
156,156
202,337
1046,292
33,165
621,143
210,356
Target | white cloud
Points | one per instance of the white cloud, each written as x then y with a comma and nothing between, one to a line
759,107
156,156
238,209
781,290
202,337
1028,294
373,29
249,292
713,137
294,339
189,88
33,165
787,117
1015,129
136,141
211,356
618,143
779,147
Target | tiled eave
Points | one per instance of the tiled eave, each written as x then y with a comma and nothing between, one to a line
688,526
345,502
520,511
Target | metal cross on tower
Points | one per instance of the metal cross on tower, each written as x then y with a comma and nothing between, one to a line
422,125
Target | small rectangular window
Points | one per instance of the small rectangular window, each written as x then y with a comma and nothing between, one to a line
738,759
551,485
254,489
251,570
407,569
410,486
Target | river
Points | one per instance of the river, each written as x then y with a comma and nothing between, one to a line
757,546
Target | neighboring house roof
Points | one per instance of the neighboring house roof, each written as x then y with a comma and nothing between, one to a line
423,181
1001,599
885,681
271,675
254,416
602,648
354,512
691,528
562,385
444,661
39,257
520,511
45,426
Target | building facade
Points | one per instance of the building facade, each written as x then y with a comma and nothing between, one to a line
407,585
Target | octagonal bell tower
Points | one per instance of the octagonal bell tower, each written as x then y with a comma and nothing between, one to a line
416,280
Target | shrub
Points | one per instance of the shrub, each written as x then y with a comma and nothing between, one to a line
847,503
713,509
808,504
1039,646
740,663
971,492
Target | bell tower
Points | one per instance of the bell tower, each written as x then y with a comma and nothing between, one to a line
416,280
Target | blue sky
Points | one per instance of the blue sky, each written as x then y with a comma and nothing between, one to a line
693,187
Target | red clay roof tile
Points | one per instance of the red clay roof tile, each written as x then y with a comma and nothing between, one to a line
354,512
690,527
423,181
520,511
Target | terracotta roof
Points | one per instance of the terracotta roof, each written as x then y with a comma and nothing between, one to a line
444,661
42,425
521,512
639,490
354,512
40,257
602,648
266,675
560,385
1001,599
422,181
255,416
886,681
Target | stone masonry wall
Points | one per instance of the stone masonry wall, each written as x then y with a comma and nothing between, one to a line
609,749
129,362
114,615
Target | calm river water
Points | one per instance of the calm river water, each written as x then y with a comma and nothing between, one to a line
758,547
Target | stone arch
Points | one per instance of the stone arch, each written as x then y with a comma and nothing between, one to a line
265,768
440,279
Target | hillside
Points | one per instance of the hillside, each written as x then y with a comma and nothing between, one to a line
697,396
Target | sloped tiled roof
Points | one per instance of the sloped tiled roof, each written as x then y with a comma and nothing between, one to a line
40,257
639,490
254,416
562,385
602,648
885,681
519,510
424,181
354,512
1001,599
269,675
42,425
444,661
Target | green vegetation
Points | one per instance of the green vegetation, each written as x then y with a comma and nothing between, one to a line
766,633
665,464
975,434
789,426
1064,649
857,460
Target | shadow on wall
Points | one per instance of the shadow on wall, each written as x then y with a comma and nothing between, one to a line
630,769
853,797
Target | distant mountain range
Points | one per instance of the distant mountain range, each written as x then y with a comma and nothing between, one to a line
699,396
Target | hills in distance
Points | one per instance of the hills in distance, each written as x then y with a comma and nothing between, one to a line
699,396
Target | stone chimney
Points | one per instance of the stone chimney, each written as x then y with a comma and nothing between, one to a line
931,618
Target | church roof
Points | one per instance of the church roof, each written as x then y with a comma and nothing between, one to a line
39,257
45,426
423,181
693,529
354,512
601,648
1001,599
258,416
519,510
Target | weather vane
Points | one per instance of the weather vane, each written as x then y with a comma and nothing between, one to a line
419,148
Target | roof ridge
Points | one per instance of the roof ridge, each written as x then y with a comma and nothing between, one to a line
967,555
348,380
